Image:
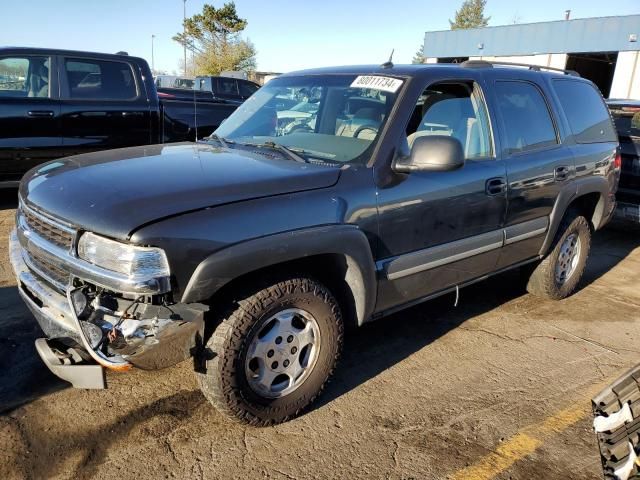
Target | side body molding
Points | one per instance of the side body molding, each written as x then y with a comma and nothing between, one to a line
579,188
232,262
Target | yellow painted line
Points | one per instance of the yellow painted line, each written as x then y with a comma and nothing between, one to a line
523,443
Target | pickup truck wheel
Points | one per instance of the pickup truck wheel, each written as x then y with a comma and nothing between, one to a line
557,276
274,352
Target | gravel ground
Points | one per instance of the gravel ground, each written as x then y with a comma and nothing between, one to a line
422,394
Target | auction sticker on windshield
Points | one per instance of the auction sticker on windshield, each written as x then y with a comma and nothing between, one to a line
386,84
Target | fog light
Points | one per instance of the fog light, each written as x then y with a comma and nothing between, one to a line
80,303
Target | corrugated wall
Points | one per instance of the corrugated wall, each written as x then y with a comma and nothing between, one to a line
604,34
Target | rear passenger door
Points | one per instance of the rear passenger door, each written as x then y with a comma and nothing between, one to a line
103,106
538,165
29,114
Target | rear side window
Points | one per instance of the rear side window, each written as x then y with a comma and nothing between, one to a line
247,89
24,77
100,80
525,115
227,86
586,112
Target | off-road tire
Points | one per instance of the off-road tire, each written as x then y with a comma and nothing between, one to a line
223,380
542,281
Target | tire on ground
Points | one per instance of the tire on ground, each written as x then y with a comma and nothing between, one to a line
542,281
223,380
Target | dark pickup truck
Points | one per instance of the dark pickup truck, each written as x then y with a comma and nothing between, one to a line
330,198
626,115
57,103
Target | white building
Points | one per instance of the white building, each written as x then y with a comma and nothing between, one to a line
605,50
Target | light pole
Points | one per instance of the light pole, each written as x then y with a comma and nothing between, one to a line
153,62
184,33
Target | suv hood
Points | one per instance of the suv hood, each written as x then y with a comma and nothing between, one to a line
115,192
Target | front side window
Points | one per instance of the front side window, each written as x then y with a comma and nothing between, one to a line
525,115
100,79
456,110
330,117
585,110
24,77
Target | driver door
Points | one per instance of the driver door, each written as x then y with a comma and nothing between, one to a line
442,229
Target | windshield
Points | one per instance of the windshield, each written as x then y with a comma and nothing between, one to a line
322,117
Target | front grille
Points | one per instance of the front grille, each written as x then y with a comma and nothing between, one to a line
49,272
48,229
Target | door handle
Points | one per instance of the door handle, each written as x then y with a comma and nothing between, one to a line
40,113
496,186
561,173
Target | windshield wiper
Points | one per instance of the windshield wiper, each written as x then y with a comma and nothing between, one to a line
293,155
221,140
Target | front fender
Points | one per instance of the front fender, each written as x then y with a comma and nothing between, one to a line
222,267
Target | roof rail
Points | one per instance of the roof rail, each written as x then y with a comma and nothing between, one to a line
537,68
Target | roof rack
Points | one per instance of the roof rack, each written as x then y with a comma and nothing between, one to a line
537,68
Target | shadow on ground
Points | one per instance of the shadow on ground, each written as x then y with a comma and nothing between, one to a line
8,198
23,377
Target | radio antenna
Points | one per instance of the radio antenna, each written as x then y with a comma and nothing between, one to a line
389,63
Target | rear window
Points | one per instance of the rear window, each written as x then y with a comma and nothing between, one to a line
527,121
99,79
586,112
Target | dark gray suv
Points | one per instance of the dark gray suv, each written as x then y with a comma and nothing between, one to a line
330,197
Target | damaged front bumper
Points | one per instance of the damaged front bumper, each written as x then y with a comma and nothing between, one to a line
114,332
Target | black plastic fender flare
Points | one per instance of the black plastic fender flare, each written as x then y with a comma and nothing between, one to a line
232,262
567,196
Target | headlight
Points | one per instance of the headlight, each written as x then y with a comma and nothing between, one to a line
119,257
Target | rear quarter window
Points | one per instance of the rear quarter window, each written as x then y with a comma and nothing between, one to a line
585,110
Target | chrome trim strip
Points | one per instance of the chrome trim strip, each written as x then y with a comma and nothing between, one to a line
437,256
524,236
525,230
433,257
87,271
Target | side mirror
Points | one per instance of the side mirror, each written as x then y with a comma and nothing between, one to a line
431,153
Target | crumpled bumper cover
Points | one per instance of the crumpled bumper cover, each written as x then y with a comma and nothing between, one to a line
151,343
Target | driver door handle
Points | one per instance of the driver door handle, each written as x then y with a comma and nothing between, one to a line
40,113
496,186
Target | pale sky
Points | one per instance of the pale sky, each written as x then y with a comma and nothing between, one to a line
288,35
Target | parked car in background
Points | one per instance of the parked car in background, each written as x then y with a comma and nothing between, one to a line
56,103
252,250
626,115
232,89
173,81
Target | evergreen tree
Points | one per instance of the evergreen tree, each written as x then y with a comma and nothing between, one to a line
214,39
470,15
419,56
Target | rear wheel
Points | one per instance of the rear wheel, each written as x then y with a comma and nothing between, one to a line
558,274
273,353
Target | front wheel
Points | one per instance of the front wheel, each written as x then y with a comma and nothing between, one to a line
274,352
558,274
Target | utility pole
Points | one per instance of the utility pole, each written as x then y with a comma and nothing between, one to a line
184,33
153,62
